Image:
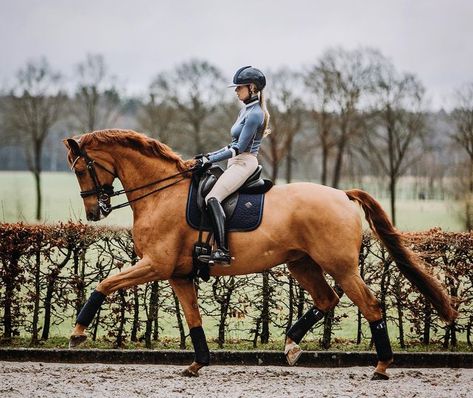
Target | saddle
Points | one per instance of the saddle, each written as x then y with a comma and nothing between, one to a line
254,185
243,210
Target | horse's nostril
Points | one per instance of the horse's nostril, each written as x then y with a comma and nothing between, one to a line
91,216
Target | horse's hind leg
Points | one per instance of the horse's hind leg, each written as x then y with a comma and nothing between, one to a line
142,272
356,289
186,293
310,276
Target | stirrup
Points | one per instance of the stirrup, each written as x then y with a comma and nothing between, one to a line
220,257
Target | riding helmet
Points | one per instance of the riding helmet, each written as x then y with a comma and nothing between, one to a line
247,75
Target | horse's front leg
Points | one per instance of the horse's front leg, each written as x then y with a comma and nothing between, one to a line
142,272
186,293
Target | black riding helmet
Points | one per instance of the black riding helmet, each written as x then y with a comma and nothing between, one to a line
247,75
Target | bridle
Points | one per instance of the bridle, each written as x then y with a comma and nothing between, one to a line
106,191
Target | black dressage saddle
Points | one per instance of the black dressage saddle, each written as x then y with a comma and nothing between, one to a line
254,185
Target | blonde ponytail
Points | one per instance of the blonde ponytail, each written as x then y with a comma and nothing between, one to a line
262,102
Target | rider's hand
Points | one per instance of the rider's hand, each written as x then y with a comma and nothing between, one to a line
202,163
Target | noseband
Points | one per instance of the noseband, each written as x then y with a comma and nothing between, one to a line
106,191
103,191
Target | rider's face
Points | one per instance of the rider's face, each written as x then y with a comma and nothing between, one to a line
242,92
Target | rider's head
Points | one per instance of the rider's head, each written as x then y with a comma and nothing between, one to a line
248,82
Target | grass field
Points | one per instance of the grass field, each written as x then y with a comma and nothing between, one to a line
61,202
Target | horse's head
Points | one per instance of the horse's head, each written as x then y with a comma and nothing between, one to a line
95,173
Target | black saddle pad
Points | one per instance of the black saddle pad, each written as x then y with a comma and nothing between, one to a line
246,217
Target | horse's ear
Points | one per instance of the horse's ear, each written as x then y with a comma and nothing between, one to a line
73,145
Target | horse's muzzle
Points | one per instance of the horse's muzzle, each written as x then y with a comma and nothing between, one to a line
94,214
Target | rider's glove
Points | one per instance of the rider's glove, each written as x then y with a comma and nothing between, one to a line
202,163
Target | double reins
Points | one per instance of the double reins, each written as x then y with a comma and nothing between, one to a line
106,191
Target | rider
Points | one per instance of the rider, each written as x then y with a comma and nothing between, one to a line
247,133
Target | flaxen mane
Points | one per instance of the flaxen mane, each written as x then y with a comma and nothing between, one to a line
131,139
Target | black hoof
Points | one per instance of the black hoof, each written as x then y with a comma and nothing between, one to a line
74,341
379,376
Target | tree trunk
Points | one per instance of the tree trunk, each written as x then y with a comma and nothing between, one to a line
182,333
121,322
47,307
392,194
384,285
274,170
37,179
337,171
256,335
9,279
289,162
323,179
300,302
265,309
328,326
400,323
152,314
358,327
136,315
468,330
290,316
224,306
96,325
427,323
37,297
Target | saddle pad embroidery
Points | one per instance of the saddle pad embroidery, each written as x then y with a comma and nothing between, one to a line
246,217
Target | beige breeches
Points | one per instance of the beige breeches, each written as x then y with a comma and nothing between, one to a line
238,170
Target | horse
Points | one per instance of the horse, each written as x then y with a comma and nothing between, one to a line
312,228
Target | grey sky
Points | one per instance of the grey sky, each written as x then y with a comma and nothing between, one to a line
140,38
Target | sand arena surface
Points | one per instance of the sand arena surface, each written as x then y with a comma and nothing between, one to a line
36,379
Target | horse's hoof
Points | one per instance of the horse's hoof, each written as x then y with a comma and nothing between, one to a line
77,340
293,353
379,376
189,373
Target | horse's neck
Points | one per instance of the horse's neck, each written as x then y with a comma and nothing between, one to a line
136,170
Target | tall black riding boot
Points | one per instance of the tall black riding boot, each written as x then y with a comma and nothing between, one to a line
217,215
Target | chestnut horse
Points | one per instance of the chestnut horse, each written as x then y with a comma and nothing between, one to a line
312,228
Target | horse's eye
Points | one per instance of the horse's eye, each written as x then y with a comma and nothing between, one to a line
79,173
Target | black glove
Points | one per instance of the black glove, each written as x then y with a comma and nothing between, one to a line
202,163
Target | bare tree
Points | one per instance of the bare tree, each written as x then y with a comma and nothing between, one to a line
31,109
398,125
463,136
286,121
158,113
96,102
320,82
197,92
340,80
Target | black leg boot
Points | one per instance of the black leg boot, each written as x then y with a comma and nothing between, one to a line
217,215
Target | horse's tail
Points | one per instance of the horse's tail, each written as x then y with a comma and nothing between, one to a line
411,266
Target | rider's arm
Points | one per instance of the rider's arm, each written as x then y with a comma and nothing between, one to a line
248,132
219,151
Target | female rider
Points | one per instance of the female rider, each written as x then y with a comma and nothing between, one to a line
247,133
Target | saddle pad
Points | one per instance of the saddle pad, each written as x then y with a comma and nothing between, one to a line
246,217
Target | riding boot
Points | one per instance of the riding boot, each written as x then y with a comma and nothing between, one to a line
217,216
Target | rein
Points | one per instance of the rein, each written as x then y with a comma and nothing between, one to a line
106,191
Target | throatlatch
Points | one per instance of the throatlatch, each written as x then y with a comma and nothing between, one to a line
201,349
379,331
304,324
90,308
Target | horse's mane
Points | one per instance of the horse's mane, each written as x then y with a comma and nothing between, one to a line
137,141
